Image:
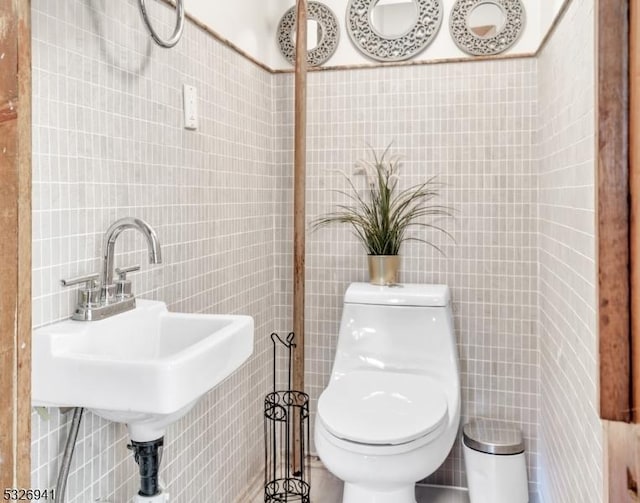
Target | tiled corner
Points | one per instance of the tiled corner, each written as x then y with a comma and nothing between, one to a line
473,126
570,428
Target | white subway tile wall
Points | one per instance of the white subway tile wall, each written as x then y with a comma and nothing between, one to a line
109,142
570,429
473,126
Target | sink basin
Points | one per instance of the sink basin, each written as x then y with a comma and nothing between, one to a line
146,367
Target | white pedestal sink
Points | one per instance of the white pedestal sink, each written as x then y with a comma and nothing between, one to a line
146,367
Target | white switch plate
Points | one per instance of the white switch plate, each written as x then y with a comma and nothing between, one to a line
190,98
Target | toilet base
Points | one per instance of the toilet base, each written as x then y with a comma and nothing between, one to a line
354,493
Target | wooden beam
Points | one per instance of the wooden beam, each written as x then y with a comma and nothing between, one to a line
15,243
613,211
634,188
23,326
299,188
8,239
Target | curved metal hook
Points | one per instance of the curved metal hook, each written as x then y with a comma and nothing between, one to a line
177,33
287,343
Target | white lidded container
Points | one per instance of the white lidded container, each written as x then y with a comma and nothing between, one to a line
495,462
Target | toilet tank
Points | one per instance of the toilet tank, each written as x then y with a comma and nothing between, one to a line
402,328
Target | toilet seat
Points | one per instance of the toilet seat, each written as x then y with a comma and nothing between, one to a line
382,408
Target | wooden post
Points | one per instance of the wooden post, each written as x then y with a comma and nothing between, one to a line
634,189
23,325
299,186
613,211
15,243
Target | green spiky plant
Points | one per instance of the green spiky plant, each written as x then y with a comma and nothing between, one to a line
382,219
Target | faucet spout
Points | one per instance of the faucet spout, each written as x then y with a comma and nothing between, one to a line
109,244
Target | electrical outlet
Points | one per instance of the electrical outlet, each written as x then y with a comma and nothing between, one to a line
190,102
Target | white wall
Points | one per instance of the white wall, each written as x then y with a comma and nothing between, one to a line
252,26
442,46
548,15
571,436
488,175
249,24
108,142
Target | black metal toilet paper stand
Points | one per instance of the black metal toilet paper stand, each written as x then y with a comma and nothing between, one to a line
286,422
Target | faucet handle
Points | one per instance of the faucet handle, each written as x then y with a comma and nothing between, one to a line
89,294
123,271
123,285
90,280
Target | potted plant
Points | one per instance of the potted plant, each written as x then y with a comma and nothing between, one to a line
383,215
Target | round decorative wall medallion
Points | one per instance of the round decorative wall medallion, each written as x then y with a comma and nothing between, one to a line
393,31
326,33
486,27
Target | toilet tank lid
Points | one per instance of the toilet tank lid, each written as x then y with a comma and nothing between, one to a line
398,295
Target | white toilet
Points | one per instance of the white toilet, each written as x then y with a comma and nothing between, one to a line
391,411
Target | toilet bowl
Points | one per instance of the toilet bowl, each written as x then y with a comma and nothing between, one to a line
391,411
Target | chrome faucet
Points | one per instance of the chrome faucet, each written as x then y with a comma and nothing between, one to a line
109,245
101,297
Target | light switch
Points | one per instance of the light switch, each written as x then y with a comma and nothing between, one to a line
190,98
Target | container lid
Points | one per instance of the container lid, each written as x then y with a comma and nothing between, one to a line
398,295
382,408
493,437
